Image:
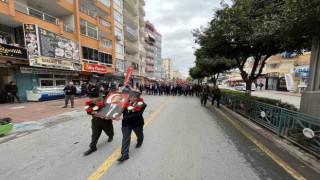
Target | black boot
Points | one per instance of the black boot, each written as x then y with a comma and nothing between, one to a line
91,150
123,158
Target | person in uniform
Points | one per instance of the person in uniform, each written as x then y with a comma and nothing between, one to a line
132,121
204,94
97,125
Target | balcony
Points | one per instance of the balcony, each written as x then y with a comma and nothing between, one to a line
130,6
104,27
87,11
142,2
68,29
141,11
148,47
35,13
148,62
130,47
148,69
131,59
129,19
150,55
130,33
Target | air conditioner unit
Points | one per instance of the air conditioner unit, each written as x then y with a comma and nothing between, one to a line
118,38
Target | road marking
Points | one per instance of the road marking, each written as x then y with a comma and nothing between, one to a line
276,158
111,159
18,107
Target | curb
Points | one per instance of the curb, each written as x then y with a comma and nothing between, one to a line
306,159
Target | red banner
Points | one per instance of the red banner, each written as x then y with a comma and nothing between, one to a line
94,68
128,75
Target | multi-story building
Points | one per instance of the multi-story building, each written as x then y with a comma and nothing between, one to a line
167,69
119,40
51,42
150,49
133,15
177,74
158,56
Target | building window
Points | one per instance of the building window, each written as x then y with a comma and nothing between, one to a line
88,29
119,48
105,2
120,64
117,16
118,2
106,43
118,32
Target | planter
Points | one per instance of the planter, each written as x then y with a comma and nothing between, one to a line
5,128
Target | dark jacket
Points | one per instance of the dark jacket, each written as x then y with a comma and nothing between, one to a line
133,119
11,88
216,92
72,89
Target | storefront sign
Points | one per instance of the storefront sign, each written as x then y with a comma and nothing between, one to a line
94,68
56,46
289,81
48,62
51,50
13,51
27,70
301,69
31,39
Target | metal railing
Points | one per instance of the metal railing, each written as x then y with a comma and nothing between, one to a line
35,13
68,29
105,2
286,123
105,23
87,11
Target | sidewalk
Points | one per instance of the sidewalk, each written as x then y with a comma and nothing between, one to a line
33,111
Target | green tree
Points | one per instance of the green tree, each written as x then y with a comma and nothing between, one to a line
197,74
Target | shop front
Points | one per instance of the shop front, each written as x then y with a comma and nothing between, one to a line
93,72
54,61
11,57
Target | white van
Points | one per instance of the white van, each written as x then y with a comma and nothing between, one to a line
242,87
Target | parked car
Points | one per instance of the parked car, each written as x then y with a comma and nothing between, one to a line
242,87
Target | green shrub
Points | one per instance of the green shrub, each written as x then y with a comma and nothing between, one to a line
273,102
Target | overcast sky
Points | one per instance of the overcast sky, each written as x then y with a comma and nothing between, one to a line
174,20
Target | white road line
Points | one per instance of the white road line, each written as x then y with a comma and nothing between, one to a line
18,107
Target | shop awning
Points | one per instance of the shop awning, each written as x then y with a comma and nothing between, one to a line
234,79
276,71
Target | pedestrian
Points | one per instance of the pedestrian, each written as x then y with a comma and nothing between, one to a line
83,88
204,94
98,124
126,89
261,85
12,91
216,95
132,121
70,91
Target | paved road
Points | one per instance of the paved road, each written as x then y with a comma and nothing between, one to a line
283,96
183,141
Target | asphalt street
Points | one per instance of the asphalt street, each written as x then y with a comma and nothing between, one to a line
183,140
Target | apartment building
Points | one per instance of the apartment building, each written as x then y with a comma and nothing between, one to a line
133,18
167,69
158,55
150,49
51,42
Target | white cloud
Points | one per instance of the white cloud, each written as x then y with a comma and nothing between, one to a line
175,20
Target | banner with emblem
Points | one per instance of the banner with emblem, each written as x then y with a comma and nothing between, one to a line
128,75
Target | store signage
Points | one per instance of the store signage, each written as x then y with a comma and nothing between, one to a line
56,46
301,69
50,50
28,70
31,39
94,68
289,81
13,51
48,62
